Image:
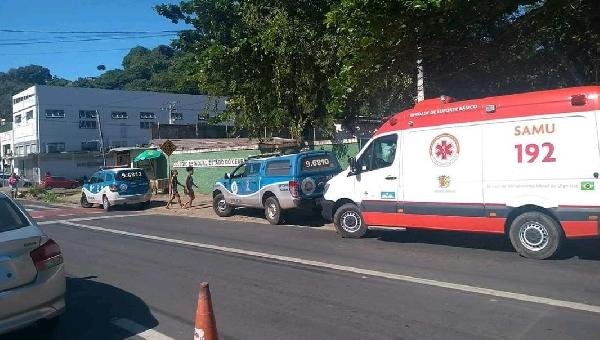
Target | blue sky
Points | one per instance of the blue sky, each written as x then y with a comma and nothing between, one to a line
76,59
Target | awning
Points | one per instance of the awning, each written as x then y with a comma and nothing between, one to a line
148,154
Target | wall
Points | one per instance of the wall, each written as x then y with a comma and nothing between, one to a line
206,177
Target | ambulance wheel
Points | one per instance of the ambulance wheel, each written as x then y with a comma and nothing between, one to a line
220,206
84,202
272,210
536,235
349,222
105,203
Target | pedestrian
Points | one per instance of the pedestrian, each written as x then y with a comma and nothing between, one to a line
173,192
13,183
189,186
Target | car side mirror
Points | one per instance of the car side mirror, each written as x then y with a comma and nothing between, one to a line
227,175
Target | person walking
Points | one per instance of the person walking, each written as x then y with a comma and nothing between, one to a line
189,186
173,192
13,183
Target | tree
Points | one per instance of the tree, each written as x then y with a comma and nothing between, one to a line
266,56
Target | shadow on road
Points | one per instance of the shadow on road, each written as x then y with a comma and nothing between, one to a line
588,249
91,308
299,217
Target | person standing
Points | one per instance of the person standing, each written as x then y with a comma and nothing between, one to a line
13,183
189,186
173,192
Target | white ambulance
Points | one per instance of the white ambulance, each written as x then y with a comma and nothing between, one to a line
524,165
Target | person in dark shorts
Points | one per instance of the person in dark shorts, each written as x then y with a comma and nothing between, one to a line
173,192
189,186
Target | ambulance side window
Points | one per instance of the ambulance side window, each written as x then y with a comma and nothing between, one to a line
379,154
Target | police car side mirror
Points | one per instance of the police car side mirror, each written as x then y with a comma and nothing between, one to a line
227,175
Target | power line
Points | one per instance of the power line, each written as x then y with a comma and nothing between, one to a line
84,40
89,32
67,52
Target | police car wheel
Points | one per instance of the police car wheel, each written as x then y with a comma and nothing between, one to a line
536,235
273,210
349,222
84,202
221,207
105,203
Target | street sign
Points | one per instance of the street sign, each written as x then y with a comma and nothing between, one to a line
168,147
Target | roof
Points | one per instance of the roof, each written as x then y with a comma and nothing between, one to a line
444,110
133,148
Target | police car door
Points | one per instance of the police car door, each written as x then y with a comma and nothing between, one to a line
249,185
93,187
377,183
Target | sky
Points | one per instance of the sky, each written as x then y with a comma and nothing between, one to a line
72,60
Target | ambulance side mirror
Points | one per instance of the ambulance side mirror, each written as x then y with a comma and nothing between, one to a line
354,168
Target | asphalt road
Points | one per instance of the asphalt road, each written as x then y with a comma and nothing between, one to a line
279,282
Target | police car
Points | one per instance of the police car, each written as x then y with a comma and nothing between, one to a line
275,183
114,186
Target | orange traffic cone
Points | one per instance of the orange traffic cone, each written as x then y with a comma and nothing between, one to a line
206,327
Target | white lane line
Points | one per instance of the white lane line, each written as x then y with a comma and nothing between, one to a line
32,206
92,218
139,330
375,273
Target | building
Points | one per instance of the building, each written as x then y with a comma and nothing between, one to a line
63,129
5,146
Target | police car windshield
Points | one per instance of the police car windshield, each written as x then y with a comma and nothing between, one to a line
131,175
319,163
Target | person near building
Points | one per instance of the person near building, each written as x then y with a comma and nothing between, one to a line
13,183
189,186
173,192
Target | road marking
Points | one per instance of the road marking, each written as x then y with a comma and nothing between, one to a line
139,330
92,218
31,206
374,273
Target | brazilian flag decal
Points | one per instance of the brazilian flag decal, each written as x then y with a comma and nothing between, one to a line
587,186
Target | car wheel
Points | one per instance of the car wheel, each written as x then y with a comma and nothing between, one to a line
273,210
221,207
536,235
74,186
84,202
105,203
349,222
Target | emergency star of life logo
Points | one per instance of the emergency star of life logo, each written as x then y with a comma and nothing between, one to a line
444,149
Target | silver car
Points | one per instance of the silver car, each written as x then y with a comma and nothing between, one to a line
32,277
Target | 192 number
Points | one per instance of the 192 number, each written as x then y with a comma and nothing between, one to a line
532,151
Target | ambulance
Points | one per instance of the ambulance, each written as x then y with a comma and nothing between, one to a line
523,165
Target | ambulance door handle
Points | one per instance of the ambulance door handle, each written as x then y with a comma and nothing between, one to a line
391,178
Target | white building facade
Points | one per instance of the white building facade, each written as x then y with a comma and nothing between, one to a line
49,120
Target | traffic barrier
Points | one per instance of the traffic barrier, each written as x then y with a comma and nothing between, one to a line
205,326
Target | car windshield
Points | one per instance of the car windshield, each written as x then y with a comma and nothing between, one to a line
131,175
321,162
11,217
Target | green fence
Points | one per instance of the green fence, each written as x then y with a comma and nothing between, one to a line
205,177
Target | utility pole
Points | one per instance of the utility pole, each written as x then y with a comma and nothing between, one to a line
101,136
420,76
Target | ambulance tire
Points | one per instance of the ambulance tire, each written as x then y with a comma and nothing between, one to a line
220,206
273,210
349,222
536,235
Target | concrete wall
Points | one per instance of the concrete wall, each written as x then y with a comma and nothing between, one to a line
205,177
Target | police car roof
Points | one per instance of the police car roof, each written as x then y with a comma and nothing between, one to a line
115,169
288,156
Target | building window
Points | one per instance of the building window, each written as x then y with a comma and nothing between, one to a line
20,151
90,146
147,115
18,119
147,125
29,115
119,115
177,115
89,114
33,148
88,124
27,149
55,113
55,147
